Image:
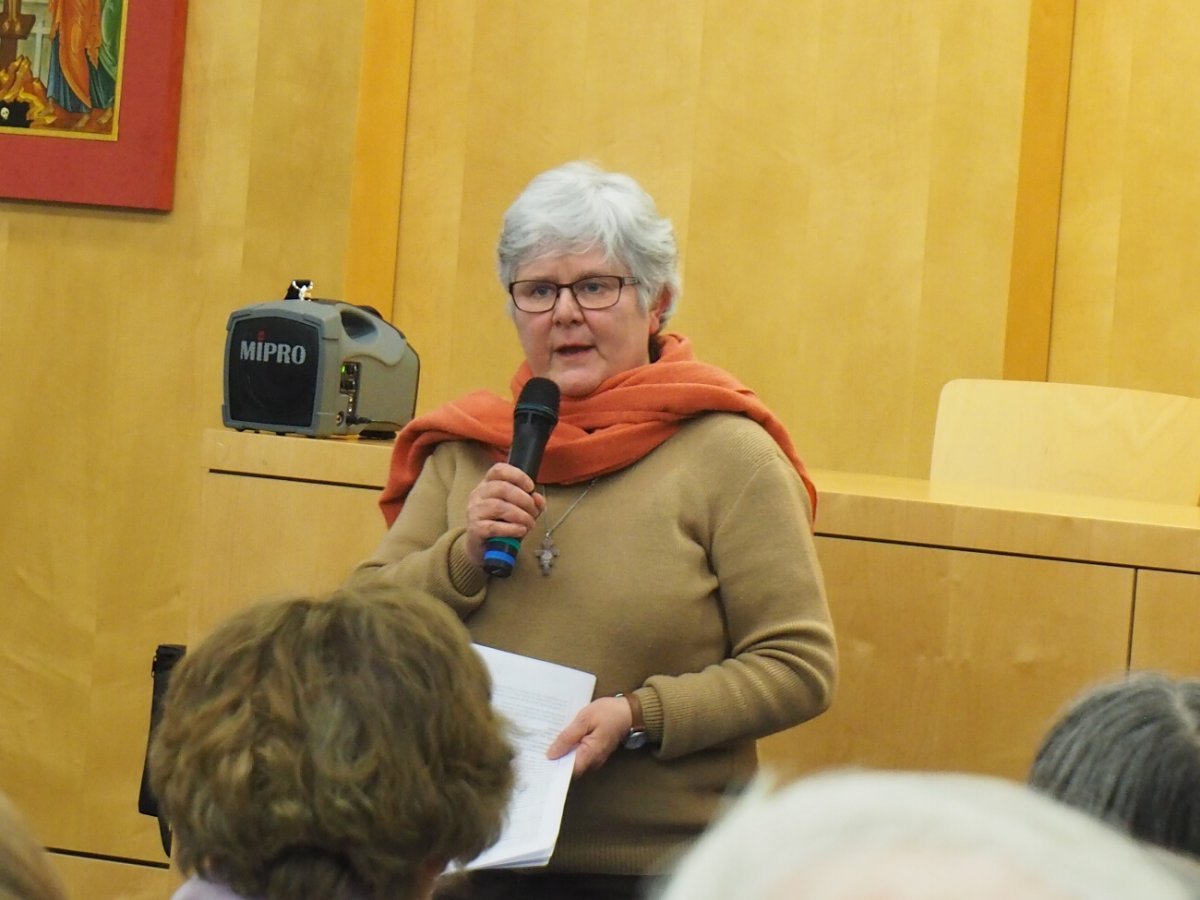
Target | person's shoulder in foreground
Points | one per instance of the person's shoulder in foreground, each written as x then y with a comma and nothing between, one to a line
857,835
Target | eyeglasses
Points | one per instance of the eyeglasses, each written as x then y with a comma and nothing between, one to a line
593,292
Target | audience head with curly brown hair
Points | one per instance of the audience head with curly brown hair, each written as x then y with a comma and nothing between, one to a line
334,748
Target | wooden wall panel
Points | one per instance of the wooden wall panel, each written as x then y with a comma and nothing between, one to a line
966,616
955,660
380,123
1166,625
265,539
842,176
528,86
111,339
301,151
1039,190
1125,300
114,880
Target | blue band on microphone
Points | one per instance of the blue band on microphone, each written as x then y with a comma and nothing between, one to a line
501,556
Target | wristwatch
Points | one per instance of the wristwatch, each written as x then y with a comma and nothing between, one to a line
637,737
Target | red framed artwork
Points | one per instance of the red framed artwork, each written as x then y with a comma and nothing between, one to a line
89,100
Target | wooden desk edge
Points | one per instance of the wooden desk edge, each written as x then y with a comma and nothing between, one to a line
1027,523
349,461
852,505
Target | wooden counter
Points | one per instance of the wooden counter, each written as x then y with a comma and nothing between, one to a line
1027,523
966,616
282,515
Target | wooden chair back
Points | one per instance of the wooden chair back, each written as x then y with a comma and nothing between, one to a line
1070,438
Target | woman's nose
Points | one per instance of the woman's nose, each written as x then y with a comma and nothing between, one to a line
567,308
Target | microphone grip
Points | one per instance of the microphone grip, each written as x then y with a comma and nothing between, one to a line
534,418
500,556
500,553
527,456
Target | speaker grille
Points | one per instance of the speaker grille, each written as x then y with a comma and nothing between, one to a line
272,370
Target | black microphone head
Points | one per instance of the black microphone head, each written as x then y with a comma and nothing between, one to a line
539,396
534,417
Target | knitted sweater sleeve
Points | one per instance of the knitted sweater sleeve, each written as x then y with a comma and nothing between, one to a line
782,662
424,548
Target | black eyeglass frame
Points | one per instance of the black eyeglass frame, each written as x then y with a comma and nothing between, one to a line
624,281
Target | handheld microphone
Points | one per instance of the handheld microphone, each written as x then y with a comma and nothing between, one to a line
534,418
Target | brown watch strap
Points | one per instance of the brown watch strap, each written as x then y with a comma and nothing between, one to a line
637,737
635,706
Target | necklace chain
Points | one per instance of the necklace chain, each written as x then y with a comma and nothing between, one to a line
549,551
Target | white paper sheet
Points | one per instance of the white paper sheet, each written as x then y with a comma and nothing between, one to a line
539,699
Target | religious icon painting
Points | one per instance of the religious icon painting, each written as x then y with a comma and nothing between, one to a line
89,100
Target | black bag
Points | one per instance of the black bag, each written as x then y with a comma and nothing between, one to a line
165,659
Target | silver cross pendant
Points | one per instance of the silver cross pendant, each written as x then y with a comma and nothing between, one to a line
546,554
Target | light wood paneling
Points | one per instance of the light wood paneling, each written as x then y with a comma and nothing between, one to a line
1094,171
302,152
1077,527
528,85
1074,438
272,529
111,337
1166,631
381,119
843,177
88,878
267,537
966,616
856,174
1125,309
955,660
348,461
1039,190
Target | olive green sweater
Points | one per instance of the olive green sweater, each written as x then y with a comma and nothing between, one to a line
689,577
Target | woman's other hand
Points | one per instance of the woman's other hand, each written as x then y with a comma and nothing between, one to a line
595,732
502,505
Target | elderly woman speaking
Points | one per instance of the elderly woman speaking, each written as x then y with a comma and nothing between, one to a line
667,544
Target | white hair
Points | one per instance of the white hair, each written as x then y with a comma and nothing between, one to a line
849,835
578,207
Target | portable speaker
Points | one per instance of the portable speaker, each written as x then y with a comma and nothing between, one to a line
317,368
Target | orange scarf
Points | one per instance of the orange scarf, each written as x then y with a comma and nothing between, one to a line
620,422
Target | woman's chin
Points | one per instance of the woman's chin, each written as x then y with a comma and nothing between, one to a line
575,384
575,377
578,392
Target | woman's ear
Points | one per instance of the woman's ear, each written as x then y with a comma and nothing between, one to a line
657,307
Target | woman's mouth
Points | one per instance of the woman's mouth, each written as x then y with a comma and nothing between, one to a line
570,350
